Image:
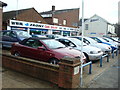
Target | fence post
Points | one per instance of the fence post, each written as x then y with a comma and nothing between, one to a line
69,73
116,52
113,54
90,68
101,61
108,58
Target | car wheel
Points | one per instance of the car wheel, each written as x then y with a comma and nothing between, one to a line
54,61
16,54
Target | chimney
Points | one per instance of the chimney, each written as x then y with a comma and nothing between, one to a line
53,8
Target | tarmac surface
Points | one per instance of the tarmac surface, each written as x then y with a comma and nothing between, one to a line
107,79
101,77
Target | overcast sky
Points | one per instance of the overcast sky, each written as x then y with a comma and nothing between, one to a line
107,9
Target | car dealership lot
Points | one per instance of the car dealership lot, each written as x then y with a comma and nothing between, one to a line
12,79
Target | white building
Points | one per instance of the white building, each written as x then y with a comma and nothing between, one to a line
97,26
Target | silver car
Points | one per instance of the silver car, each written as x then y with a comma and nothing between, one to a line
91,53
105,48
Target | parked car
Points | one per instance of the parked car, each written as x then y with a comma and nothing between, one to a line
53,36
113,41
43,49
101,40
116,39
11,36
91,53
89,41
110,41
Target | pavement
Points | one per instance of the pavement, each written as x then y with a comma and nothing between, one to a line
101,77
107,79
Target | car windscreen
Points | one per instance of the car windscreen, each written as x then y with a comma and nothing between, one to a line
91,40
53,44
102,39
23,34
78,42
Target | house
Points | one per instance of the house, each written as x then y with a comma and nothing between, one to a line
97,26
2,4
65,17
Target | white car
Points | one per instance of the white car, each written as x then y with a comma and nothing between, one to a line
105,48
91,53
111,41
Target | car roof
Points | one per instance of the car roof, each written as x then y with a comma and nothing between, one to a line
40,38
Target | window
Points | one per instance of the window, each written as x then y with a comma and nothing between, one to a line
86,41
12,34
6,33
64,22
33,43
55,20
86,26
66,42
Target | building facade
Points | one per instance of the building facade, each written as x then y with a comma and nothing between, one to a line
65,17
1,12
97,26
31,21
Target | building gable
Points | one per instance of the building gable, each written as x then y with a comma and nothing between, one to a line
96,18
30,15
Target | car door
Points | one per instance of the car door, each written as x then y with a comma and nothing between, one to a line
32,50
6,38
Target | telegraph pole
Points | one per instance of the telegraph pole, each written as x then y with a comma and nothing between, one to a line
81,76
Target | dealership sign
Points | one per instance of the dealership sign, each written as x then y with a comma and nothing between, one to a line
17,23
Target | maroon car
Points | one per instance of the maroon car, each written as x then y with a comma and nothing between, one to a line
44,49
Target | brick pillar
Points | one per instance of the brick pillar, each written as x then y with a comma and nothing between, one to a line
1,11
69,73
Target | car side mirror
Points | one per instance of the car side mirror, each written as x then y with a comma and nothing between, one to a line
41,48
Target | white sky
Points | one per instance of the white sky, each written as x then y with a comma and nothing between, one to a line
107,9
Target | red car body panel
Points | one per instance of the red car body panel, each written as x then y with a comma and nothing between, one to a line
44,54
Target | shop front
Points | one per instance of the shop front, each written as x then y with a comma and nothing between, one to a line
57,32
66,33
74,33
38,31
18,28
41,29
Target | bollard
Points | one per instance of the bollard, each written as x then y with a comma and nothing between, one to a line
101,61
107,55
90,66
116,52
69,73
113,54
108,58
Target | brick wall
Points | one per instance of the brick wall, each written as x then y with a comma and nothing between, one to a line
63,75
30,67
30,15
70,16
